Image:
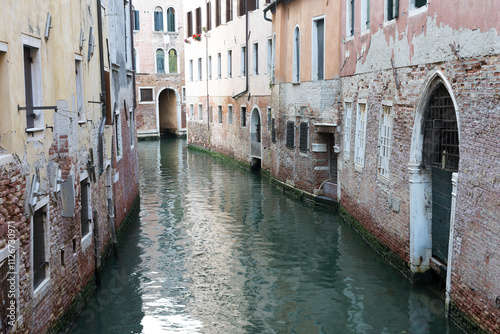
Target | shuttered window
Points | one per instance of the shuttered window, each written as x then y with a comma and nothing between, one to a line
218,13
209,15
392,10
135,17
170,20
189,24
198,20
229,10
172,61
158,19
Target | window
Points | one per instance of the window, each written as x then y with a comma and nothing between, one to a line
347,129
189,24
385,142
359,152
269,116
191,110
9,284
199,69
303,135
290,134
191,70
256,58
269,55
160,61
241,7
229,10
200,111
172,61
219,113
365,15
198,20
211,114
252,4
391,9
132,127
183,90
350,18
230,114
135,19
33,87
273,77
136,61
170,19
40,247
415,4
118,134
80,105
86,211
145,94
158,19
219,65
273,130
209,16
229,64
243,61
318,61
218,14
296,55
243,116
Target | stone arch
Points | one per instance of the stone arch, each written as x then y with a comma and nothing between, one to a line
176,109
421,188
255,132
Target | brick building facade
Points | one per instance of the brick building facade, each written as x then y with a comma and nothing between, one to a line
66,123
159,52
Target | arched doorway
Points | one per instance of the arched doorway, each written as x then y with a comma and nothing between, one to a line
167,112
255,134
433,169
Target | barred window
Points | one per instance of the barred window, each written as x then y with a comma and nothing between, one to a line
290,134
303,136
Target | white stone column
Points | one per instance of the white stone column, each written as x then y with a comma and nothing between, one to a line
454,183
420,218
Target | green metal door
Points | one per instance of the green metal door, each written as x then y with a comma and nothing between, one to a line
441,210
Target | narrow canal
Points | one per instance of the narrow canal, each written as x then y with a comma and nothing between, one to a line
217,249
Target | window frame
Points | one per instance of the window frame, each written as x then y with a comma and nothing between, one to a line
347,129
230,114
219,65
199,20
191,70
394,4
152,95
414,10
255,63
296,55
160,27
80,89
200,70
290,134
189,23
176,61
200,111
229,10
41,289
209,15
157,68
350,18
219,113
303,137
243,61
136,25
365,16
385,141
243,116
229,64
360,141
118,134
36,87
315,49
191,110
173,18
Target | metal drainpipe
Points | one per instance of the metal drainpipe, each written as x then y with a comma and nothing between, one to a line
246,55
133,58
208,96
103,90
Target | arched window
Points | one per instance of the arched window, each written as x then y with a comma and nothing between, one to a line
158,18
296,55
172,61
160,61
170,20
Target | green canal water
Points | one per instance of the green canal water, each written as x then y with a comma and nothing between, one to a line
217,249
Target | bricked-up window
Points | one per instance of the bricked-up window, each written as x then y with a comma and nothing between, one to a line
146,94
40,264
229,10
359,151
158,19
385,142
170,19
218,13
391,9
189,24
219,113
303,136
273,130
290,134
135,19
209,15
198,20
86,210
243,116
347,129
230,114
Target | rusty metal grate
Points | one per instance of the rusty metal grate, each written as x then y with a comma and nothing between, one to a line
441,145
290,134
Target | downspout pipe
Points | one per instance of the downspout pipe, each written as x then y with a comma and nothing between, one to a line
133,56
246,54
103,90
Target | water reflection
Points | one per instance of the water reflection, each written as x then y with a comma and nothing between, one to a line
216,249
